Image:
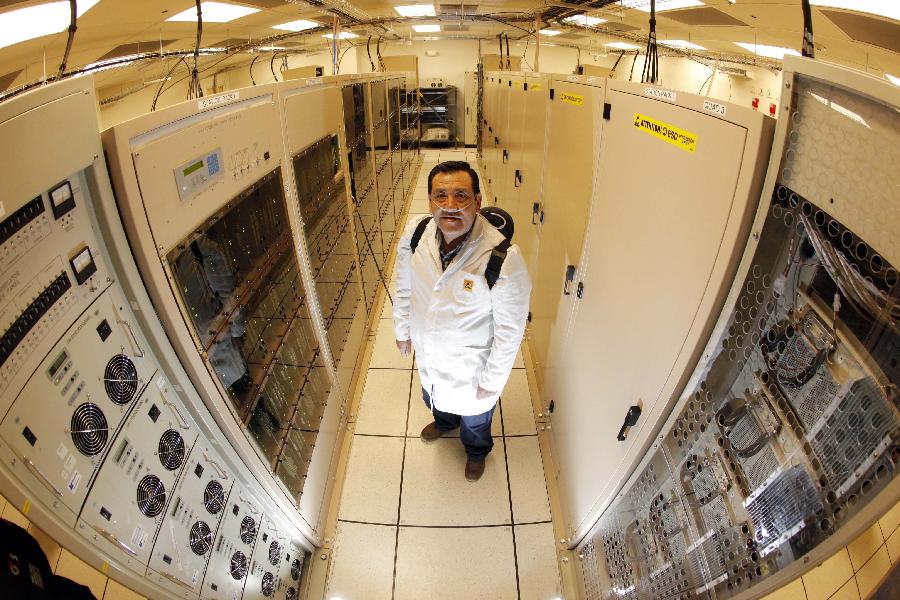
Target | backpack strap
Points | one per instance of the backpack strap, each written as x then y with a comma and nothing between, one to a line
495,262
417,234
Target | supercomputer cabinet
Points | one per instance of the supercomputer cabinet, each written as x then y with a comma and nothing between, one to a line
782,447
574,117
99,425
490,126
659,255
204,193
313,135
527,180
470,98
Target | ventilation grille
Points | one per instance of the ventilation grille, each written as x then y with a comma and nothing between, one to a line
290,594
238,568
268,585
171,450
214,497
89,429
151,496
200,538
120,379
248,530
780,510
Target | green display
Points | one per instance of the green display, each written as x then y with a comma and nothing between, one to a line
197,165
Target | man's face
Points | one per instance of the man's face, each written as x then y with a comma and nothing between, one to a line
453,203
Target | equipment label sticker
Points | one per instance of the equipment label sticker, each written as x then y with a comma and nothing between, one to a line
715,108
661,94
536,86
219,100
73,483
680,138
573,99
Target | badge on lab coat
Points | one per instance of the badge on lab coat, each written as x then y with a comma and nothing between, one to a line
467,284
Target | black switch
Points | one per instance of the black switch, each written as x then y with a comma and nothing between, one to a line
104,330
167,559
153,413
265,537
235,510
105,513
266,155
29,436
199,470
214,587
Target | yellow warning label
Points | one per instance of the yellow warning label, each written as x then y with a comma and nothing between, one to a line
685,140
467,284
535,87
573,99
26,508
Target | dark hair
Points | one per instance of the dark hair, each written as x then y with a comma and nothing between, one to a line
455,166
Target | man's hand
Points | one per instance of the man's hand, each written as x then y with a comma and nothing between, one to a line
482,393
405,347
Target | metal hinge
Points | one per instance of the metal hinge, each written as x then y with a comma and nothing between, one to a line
552,93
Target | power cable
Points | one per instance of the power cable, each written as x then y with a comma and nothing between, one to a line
253,62
369,52
71,38
165,79
809,48
195,90
650,72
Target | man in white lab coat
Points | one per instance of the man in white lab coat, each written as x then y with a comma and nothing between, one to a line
465,333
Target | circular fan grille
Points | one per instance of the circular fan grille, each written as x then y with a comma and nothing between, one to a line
248,530
290,594
89,429
238,565
120,379
171,449
151,496
295,569
201,538
275,553
214,497
268,585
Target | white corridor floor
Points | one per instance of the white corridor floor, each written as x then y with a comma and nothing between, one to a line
409,524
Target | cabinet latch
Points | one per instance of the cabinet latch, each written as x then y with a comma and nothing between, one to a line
631,419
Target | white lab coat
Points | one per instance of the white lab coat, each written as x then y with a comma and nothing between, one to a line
464,334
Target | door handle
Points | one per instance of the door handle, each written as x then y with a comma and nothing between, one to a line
570,276
631,419
535,211
518,178
505,156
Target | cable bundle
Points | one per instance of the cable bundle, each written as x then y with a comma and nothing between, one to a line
651,63
194,89
860,291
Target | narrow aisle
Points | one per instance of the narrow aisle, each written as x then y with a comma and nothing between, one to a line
409,524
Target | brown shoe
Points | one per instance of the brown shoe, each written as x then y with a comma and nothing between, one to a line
431,432
474,470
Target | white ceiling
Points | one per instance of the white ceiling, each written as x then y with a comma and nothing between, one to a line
113,23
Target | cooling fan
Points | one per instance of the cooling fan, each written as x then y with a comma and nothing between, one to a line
151,496
200,538
214,497
275,553
89,429
268,585
171,449
238,567
120,379
248,530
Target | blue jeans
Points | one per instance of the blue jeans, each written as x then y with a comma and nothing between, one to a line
474,430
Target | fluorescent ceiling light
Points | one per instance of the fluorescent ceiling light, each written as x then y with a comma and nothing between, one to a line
550,32
301,25
662,5
768,51
214,12
584,20
36,21
344,35
416,10
682,44
881,8
622,46
426,28
892,79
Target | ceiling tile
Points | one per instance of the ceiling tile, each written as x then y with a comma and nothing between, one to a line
135,48
869,30
6,80
702,17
